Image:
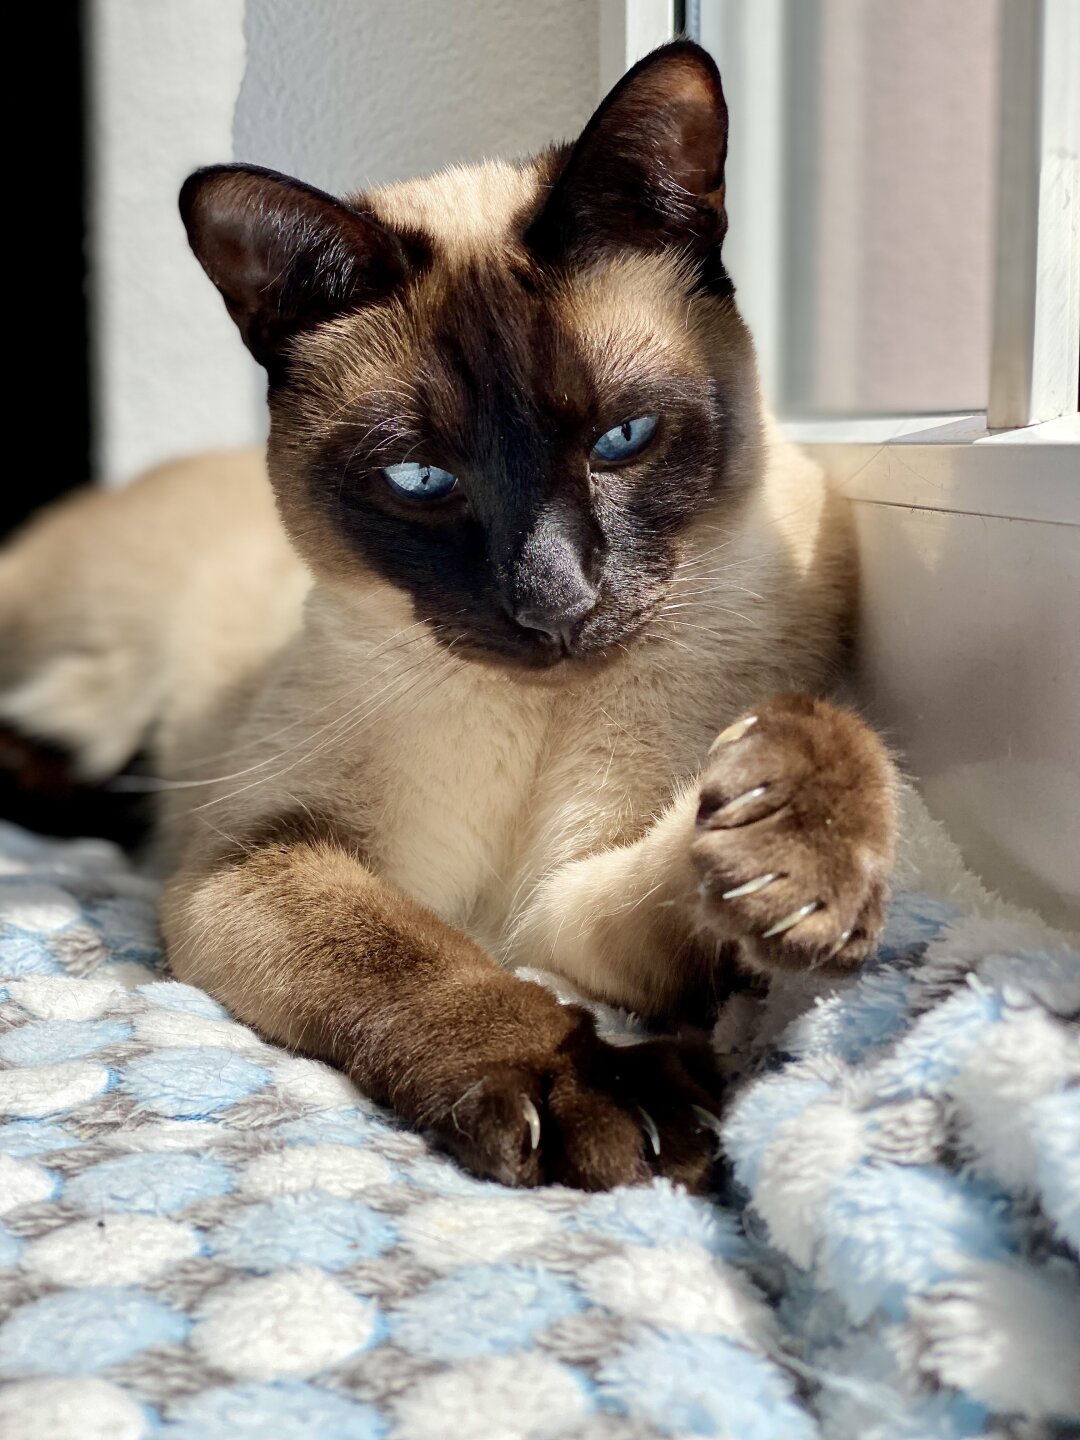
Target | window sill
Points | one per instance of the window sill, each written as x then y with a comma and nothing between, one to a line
953,463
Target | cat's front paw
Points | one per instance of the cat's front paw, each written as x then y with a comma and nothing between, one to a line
590,1114
795,836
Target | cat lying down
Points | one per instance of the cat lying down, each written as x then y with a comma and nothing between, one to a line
518,659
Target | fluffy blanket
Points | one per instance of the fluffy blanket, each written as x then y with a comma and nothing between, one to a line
204,1238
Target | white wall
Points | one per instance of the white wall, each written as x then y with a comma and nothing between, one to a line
970,609
340,92
968,648
168,375
352,92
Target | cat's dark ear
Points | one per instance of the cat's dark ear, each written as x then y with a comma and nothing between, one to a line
284,255
648,168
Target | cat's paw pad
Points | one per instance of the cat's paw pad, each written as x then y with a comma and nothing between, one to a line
592,1116
795,835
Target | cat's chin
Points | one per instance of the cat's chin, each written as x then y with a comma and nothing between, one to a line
540,667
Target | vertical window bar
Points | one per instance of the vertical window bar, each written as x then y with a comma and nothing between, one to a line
688,18
629,29
1036,340
748,40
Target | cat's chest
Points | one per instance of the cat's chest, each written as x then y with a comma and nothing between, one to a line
455,770
482,786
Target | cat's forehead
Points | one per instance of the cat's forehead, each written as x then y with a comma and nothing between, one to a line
466,211
467,326
481,317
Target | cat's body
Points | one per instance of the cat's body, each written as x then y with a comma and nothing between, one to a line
468,734
258,693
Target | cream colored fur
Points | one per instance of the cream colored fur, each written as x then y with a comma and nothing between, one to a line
550,817
126,617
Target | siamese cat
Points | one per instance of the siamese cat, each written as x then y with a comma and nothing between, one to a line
516,661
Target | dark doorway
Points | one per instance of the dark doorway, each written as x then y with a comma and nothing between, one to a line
48,428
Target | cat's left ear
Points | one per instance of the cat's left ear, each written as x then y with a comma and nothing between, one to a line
285,256
648,168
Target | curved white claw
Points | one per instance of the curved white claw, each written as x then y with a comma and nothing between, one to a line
649,1126
708,1121
751,887
789,920
532,1117
844,938
733,732
725,810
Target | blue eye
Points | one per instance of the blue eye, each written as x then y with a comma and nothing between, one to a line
623,441
420,482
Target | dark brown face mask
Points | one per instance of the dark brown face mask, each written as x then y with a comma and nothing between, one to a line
528,498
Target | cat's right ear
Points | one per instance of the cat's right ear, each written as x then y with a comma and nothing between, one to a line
284,256
648,169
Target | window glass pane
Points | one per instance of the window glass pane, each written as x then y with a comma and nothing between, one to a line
876,165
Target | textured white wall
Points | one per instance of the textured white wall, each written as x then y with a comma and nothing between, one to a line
339,92
351,92
168,373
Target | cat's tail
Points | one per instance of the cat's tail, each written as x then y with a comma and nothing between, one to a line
77,664
121,610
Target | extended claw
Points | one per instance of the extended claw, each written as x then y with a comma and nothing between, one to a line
708,1121
532,1117
751,887
733,732
793,919
844,938
649,1126
712,818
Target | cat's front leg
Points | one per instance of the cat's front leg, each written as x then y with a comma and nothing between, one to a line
302,940
778,859
795,836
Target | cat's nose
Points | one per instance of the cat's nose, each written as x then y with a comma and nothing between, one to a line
550,589
557,622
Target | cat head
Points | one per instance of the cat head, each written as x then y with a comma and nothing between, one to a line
510,391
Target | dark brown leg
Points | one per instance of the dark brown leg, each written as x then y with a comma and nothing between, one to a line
303,941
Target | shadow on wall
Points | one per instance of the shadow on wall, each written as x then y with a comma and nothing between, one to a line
973,704
347,95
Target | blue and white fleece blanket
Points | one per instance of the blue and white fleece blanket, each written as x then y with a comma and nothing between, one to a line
204,1238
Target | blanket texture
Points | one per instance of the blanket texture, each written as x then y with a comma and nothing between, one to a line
202,1237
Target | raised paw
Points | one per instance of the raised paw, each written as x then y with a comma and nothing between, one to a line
591,1115
795,836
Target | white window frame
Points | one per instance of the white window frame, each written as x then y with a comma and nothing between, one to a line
968,525
1036,303
1033,368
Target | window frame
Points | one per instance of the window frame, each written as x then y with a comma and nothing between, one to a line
966,534
1035,350
1036,340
